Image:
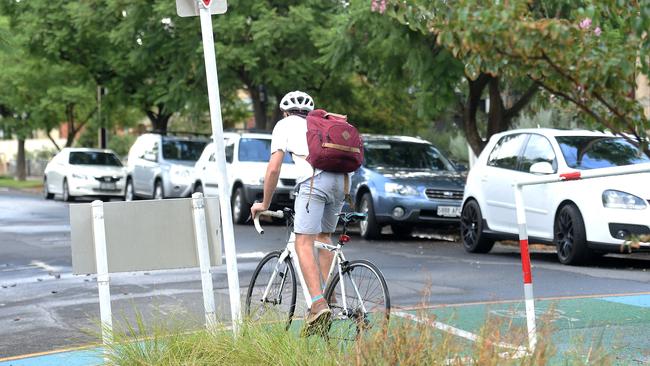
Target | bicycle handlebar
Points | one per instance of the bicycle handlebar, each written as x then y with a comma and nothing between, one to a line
279,214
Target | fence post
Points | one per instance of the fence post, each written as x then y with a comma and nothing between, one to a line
103,278
201,232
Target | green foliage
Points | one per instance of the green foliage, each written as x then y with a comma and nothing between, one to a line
588,52
121,144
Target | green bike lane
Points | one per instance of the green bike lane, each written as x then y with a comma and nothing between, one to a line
618,325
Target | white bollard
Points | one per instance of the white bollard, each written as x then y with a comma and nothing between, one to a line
203,250
103,279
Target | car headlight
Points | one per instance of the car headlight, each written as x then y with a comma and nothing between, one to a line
79,176
618,199
404,190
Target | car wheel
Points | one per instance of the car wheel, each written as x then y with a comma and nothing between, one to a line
240,208
570,236
198,188
158,192
402,231
129,195
66,192
369,228
46,191
471,229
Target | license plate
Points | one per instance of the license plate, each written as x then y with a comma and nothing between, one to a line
107,186
449,211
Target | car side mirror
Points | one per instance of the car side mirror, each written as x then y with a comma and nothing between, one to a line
542,167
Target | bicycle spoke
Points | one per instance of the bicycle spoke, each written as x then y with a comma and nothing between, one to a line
278,282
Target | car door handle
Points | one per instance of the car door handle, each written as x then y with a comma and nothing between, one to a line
204,168
484,178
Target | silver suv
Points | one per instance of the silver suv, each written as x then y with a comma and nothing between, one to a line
161,166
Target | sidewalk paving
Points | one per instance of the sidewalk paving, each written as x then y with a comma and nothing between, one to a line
619,324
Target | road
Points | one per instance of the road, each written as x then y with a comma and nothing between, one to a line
44,307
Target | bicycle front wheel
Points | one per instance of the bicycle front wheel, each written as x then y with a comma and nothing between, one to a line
272,291
360,302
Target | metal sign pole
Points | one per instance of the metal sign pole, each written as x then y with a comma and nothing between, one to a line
220,155
101,259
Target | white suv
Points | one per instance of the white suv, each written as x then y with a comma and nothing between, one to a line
247,155
582,217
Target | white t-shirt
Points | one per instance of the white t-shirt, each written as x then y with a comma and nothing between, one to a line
290,135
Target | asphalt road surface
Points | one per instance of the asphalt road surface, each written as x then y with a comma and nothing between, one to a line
44,307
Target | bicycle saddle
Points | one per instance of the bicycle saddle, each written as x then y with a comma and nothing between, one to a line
349,217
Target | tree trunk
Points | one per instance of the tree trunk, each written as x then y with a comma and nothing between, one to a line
72,131
259,108
21,171
160,120
499,118
470,126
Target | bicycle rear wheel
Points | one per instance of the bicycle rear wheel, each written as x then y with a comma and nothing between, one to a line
367,302
280,301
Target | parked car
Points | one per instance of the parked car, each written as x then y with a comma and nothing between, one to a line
76,172
581,218
161,166
405,182
247,155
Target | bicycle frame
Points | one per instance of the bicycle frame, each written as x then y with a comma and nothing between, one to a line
336,265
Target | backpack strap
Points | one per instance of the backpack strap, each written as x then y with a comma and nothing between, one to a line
311,189
346,189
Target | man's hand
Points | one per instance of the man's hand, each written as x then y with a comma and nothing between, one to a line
257,208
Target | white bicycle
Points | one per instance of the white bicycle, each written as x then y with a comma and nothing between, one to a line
359,302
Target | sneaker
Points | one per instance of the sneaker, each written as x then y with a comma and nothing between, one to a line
318,319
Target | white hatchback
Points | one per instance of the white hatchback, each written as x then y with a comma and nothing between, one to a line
247,155
582,218
75,172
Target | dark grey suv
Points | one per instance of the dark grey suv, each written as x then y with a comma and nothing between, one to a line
405,182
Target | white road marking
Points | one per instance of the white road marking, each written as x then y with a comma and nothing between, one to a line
520,351
254,255
45,266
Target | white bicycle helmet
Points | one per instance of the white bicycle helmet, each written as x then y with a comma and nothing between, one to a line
297,100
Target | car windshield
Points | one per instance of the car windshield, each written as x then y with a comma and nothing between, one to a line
258,150
93,158
182,149
591,152
404,155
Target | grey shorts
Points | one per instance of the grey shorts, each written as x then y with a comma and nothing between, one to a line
326,201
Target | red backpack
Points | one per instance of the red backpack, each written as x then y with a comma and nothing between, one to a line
334,144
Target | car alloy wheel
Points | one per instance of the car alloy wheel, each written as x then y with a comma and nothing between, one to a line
46,191
570,236
240,209
158,191
128,194
66,192
471,229
368,227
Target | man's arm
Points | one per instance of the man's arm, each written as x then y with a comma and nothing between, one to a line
270,181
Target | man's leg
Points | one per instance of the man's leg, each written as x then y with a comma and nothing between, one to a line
305,251
325,257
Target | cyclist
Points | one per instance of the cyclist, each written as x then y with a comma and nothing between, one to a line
320,197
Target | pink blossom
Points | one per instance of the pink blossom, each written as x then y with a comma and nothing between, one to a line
586,23
378,6
597,31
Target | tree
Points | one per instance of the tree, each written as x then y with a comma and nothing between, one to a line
397,50
588,53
